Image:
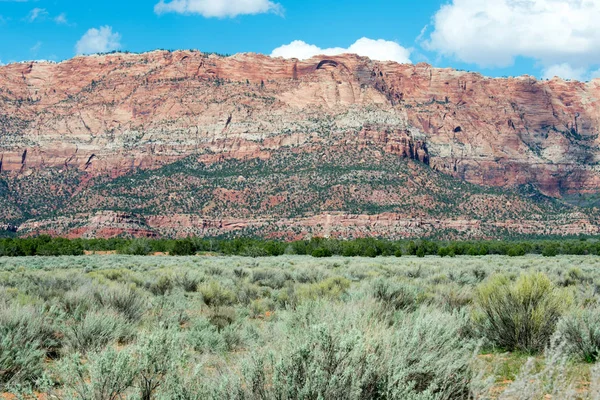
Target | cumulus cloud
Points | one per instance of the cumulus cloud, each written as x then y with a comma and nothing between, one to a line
561,35
98,41
382,50
565,71
218,8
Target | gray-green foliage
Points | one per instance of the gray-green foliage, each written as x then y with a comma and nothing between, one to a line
96,330
580,334
129,302
396,295
157,355
26,337
343,353
520,315
107,375
116,327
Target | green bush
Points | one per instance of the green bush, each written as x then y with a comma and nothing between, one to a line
550,250
183,248
331,288
519,315
321,252
580,333
30,324
137,247
215,295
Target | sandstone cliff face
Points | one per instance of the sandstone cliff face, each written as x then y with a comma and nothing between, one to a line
103,117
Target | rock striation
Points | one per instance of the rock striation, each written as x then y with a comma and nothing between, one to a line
66,128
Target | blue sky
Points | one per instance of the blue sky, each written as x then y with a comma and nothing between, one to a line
497,38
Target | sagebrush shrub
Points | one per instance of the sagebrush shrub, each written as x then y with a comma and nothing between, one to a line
21,361
346,353
396,295
29,324
519,315
129,302
108,375
157,355
580,334
215,295
96,330
331,288
205,337
429,357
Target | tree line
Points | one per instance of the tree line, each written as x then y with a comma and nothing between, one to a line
317,247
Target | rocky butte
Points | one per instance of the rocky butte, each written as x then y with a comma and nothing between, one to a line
179,143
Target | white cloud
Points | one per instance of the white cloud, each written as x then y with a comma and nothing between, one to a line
218,8
36,14
495,33
565,71
382,50
61,19
98,41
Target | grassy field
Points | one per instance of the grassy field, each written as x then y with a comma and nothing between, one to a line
296,327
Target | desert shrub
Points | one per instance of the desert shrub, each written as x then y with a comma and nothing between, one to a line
343,353
188,282
429,357
330,288
29,324
275,279
580,332
222,317
21,361
396,295
574,276
215,295
108,375
205,337
157,355
520,315
452,297
96,330
129,302
254,251
171,311
161,286
78,302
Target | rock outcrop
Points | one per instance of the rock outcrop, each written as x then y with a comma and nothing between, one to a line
89,120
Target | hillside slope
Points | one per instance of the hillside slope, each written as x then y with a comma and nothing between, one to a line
177,143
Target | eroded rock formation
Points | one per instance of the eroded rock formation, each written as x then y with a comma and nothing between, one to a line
97,118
